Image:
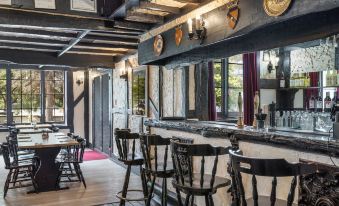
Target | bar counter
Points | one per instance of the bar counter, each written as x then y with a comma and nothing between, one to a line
319,142
311,147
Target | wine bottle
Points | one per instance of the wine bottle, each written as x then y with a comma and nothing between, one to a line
311,103
319,107
308,80
327,102
282,80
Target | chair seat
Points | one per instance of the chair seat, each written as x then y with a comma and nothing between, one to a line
160,172
137,160
206,188
21,164
264,200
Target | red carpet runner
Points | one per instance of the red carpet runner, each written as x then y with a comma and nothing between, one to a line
90,155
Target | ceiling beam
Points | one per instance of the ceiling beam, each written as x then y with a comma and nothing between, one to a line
159,7
73,42
144,18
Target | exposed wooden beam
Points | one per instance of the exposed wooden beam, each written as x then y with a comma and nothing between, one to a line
159,7
188,1
73,42
144,18
132,26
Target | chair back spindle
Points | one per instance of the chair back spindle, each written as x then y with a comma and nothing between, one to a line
123,138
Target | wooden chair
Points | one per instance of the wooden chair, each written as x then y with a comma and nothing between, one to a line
152,147
196,184
74,156
129,157
268,168
19,171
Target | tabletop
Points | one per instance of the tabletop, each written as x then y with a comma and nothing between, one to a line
35,140
30,126
33,131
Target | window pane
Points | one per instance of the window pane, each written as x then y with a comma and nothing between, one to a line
49,101
235,76
16,86
36,101
217,74
26,74
26,101
36,87
3,105
218,98
2,86
138,92
237,59
16,101
59,87
35,75
233,99
16,74
36,115
26,86
26,115
59,101
2,73
59,75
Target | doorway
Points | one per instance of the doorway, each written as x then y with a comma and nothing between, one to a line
102,132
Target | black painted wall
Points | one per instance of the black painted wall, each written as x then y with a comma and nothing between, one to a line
305,20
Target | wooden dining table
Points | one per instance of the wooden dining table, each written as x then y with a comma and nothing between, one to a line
46,150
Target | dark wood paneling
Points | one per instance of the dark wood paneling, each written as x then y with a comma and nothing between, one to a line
106,125
41,58
70,101
97,113
306,20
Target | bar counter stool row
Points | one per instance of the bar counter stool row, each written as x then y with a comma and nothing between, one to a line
22,164
173,158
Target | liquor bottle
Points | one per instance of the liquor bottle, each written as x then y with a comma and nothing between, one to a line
282,82
319,107
327,102
311,103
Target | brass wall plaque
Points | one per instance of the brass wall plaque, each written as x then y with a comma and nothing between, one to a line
178,35
276,7
158,45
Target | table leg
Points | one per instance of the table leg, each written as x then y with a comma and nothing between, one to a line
47,172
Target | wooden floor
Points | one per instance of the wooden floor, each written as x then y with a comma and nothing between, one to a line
103,177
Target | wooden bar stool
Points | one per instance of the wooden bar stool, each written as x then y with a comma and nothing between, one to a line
129,157
268,168
205,183
155,152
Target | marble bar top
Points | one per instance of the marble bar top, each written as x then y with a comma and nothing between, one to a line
311,141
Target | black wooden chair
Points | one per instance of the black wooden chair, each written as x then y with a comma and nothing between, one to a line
153,148
74,156
130,157
19,171
268,168
205,183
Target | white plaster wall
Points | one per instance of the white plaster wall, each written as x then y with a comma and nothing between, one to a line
79,109
153,88
249,149
191,87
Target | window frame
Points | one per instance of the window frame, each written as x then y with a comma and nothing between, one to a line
224,114
9,100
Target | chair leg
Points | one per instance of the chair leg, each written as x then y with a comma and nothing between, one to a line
125,187
150,193
143,182
211,200
77,165
178,197
187,201
15,176
164,192
61,168
35,185
207,200
192,200
77,172
9,176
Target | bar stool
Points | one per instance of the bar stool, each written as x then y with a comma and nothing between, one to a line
267,168
153,147
196,184
129,157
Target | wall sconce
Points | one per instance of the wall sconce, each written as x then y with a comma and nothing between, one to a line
79,80
200,29
124,74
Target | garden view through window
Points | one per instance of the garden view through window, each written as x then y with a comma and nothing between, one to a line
228,80
35,96
138,91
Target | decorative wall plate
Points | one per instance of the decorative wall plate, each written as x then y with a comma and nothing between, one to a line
158,45
178,35
276,7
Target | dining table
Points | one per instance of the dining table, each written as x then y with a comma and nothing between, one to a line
46,147
31,126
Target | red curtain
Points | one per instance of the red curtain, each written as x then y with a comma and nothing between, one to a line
212,113
250,86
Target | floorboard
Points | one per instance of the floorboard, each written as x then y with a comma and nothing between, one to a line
104,179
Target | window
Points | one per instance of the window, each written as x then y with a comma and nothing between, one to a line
138,91
228,80
54,96
26,92
29,94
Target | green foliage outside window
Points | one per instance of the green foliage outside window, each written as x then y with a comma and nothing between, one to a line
138,92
